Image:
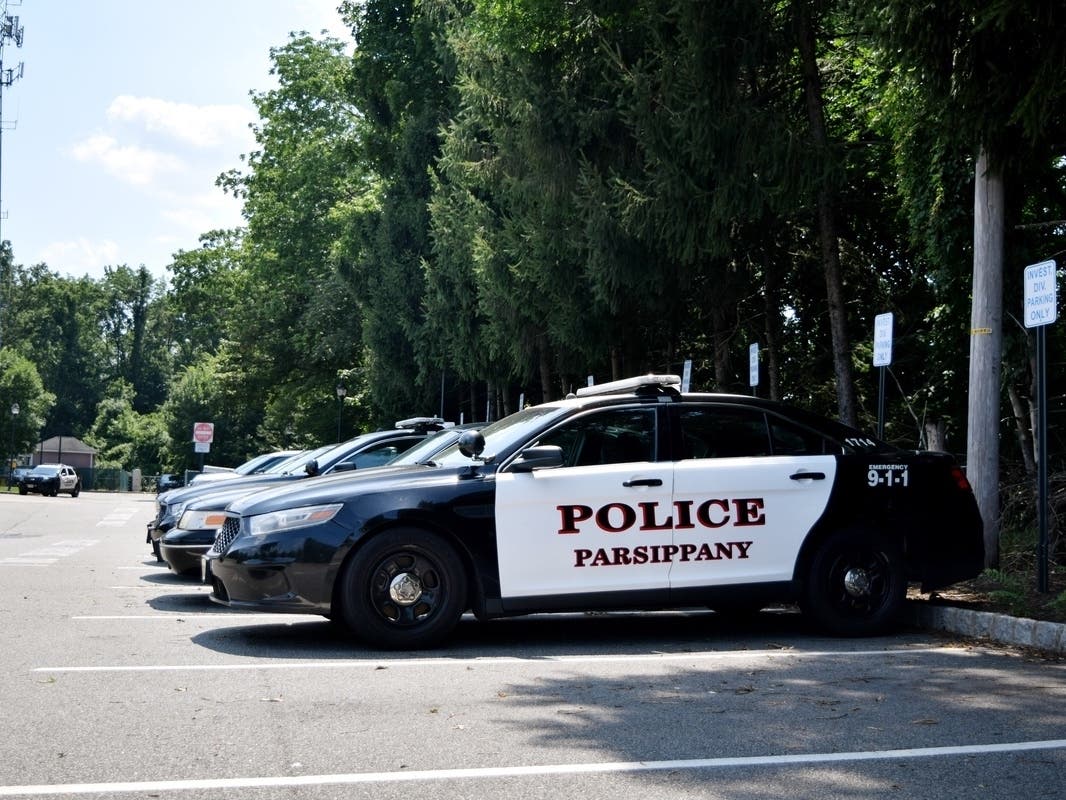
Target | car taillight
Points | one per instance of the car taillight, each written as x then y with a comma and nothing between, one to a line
960,479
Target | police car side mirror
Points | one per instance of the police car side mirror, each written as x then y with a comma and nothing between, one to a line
540,457
311,467
471,444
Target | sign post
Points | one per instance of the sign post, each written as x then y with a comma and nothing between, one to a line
1040,310
203,433
882,358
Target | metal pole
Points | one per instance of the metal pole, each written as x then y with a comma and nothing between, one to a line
881,405
1041,467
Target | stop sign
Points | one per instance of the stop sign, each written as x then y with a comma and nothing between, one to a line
203,432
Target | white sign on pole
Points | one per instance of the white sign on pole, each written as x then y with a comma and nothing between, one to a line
753,364
686,375
1041,292
590,381
883,340
201,447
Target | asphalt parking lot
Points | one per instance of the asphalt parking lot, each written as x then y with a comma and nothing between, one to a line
122,680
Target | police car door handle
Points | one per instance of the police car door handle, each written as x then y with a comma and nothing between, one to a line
808,476
643,482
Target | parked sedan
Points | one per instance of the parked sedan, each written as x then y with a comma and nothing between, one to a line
253,466
630,495
50,480
367,450
183,545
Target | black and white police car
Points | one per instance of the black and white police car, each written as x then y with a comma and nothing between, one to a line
183,546
366,450
629,495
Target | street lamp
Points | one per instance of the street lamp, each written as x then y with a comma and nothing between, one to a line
341,393
11,462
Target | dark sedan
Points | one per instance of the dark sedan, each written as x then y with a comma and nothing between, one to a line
631,495
183,546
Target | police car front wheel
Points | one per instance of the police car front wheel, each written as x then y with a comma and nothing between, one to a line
857,584
405,588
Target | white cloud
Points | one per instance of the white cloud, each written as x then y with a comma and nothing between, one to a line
79,256
200,126
133,164
203,212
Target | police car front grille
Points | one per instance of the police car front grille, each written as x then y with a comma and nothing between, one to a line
226,534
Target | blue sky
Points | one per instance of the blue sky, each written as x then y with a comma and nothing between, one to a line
126,113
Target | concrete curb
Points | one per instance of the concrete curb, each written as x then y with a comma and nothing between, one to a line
1019,631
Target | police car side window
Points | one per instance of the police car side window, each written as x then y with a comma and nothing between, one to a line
381,454
792,440
610,436
709,432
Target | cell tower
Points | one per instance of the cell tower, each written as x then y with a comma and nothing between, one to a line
10,32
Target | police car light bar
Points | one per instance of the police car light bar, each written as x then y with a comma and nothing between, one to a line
630,385
420,422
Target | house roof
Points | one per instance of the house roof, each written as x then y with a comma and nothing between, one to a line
68,444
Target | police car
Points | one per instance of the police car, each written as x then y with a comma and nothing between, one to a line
183,545
366,450
629,495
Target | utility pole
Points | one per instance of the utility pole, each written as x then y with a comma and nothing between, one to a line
10,31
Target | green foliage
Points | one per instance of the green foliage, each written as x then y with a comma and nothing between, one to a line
125,439
484,198
21,383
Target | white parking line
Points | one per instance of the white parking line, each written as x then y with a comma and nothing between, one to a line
446,661
44,556
63,789
117,518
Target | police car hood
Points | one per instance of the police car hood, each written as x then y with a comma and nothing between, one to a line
342,488
218,497
249,482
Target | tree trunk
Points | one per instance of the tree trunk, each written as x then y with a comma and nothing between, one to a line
772,319
986,345
545,369
720,336
827,226
936,435
1023,425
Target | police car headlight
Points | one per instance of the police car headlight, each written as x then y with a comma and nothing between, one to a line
176,510
291,518
201,520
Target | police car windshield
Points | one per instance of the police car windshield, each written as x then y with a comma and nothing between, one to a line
296,465
505,433
424,450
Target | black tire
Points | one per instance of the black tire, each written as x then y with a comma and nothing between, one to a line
410,560
76,490
55,491
857,584
156,551
22,490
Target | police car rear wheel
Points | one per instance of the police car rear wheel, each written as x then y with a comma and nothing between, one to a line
857,584
404,589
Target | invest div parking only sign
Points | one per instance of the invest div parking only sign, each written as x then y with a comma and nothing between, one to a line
1041,294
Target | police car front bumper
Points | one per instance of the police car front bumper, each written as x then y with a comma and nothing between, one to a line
273,574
